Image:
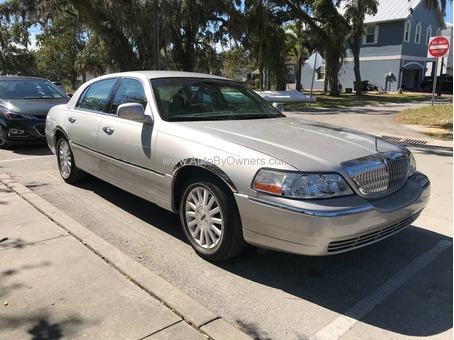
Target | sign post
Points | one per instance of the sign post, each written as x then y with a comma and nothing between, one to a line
438,48
315,61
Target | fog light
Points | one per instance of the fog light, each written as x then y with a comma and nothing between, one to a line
15,132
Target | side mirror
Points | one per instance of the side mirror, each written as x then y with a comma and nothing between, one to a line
279,107
133,111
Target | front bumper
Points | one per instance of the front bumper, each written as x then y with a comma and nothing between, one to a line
331,226
25,130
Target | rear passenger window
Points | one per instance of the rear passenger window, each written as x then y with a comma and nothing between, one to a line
129,91
97,95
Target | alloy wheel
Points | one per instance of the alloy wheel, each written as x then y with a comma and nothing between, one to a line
65,158
204,217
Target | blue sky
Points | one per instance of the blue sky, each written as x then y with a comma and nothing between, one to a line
448,17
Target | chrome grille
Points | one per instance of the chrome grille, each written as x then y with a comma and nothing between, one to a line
398,170
372,237
379,173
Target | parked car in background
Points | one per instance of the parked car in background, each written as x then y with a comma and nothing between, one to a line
445,80
236,169
58,84
24,103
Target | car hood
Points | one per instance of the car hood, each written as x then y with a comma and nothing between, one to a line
36,107
305,145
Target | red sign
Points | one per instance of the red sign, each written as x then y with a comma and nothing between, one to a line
438,47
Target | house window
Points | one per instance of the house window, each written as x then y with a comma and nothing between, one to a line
370,35
428,34
407,31
418,33
320,72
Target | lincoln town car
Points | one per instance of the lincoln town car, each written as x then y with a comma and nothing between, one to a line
234,167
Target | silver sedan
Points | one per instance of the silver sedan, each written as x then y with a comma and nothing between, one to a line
236,170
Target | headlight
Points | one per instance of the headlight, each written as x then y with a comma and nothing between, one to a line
18,116
298,185
14,115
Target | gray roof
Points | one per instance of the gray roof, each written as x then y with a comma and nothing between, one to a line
392,10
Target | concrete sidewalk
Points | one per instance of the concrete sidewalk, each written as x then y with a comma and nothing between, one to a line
59,280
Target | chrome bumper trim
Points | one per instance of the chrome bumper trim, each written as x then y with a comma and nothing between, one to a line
317,213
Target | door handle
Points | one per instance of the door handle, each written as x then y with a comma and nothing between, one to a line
72,119
107,129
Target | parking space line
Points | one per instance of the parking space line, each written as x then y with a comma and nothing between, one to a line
24,158
342,324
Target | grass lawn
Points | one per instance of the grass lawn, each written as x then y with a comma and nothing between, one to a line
350,99
437,116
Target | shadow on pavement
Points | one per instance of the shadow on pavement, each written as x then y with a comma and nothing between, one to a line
44,330
31,150
432,150
140,208
420,307
39,326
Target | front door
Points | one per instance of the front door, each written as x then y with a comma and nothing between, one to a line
126,147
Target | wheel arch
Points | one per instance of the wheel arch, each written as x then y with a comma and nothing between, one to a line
191,168
58,132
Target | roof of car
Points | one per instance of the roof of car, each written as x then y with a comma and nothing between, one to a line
20,78
165,74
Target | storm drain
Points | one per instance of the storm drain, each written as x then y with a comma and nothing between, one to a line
410,141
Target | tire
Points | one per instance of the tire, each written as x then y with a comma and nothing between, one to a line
210,220
4,143
66,164
427,88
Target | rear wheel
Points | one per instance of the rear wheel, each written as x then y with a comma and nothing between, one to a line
427,88
210,220
66,164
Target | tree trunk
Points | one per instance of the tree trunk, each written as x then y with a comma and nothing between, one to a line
356,68
355,47
299,67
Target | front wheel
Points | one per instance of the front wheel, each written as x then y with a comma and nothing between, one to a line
4,143
66,165
210,220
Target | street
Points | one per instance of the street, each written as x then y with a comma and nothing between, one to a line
398,288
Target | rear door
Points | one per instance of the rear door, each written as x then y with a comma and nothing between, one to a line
83,123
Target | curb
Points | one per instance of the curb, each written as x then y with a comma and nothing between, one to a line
191,311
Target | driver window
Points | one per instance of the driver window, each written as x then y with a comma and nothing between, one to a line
129,91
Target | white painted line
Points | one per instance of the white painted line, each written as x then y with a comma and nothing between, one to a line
342,324
438,47
24,158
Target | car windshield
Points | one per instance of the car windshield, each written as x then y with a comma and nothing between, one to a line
197,99
29,89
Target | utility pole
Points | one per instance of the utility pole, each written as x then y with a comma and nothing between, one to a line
156,40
